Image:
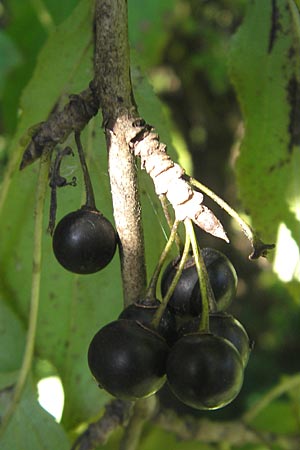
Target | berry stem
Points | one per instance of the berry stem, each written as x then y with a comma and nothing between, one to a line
158,315
164,204
35,291
56,181
90,198
151,291
205,288
259,248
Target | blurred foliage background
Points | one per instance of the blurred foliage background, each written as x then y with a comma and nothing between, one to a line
188,51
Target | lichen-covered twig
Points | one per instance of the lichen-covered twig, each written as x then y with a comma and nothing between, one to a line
168,179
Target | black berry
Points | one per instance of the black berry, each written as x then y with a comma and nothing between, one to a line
186,298
222,277
204,371
226,326
128,359
84,241
144,311
180,301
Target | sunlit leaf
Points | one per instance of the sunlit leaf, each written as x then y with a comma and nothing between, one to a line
31,428
265,69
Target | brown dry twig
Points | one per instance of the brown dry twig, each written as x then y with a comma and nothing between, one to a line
74,117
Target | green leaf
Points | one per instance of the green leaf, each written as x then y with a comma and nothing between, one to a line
31,428
72,307
144,24
264,64
12,335
64,66
10,57
279,417
59,10
22,18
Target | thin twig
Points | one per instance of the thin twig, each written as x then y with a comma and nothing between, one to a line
142,411
89,191
116,414
73,117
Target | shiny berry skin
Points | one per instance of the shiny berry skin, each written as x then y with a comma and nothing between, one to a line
226,326
222,277
84,241
128,360
186,298
204,371
180,301
144,311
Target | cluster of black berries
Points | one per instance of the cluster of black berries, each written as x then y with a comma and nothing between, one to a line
131,358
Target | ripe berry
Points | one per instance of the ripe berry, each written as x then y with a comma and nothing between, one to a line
84,241
204,371
186,298
225,326
128,359
222,277
180,301
144,311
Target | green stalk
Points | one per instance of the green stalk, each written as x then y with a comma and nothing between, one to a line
202,275
89,191
151,291
158,315
259,248
164,204
35,292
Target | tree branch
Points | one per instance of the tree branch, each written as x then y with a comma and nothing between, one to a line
73,117
113,87
116,414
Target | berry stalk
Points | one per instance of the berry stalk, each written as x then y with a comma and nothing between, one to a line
90,197
206,291
259,248
158,315
151,291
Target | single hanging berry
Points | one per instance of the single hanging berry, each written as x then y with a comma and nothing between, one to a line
84,241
